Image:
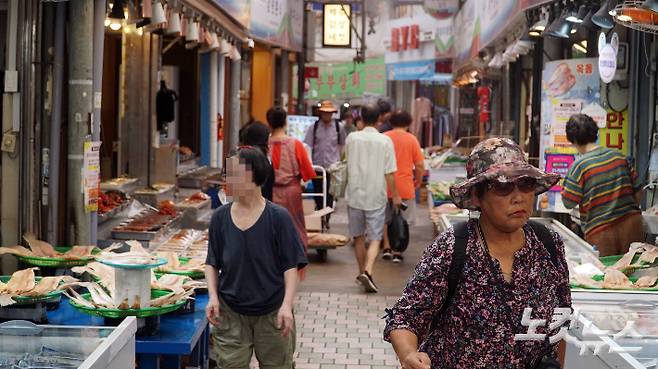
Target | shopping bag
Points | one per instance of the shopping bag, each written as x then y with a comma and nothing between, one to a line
338,173
398,232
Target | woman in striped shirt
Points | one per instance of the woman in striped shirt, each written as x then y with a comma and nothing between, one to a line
606,188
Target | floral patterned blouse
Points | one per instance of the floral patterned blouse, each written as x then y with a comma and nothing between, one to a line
477,329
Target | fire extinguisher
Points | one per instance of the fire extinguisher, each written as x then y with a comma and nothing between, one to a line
220,127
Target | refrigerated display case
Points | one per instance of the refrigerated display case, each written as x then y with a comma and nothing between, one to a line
28,345
602,317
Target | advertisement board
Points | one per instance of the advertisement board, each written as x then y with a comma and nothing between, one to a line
568,86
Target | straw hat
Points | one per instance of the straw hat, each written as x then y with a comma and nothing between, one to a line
327,106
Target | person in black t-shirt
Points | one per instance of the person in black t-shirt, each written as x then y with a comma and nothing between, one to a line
256,247
257,134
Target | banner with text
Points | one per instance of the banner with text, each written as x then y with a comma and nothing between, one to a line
568,87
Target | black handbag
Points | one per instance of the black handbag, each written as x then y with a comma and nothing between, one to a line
398,232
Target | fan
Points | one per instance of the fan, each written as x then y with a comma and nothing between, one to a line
630,14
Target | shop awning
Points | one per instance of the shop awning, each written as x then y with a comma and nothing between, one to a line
494,22
214,12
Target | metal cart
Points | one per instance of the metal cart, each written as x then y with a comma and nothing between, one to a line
324,213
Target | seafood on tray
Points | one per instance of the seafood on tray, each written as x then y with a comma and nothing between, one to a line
109,201
104,275
175,265
194,200
136,256
147,222
101,297
42,249
23,283
615,276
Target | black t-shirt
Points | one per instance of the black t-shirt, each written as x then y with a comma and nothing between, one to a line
252,262
385,127
267,190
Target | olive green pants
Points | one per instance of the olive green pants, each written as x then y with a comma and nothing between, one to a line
238,336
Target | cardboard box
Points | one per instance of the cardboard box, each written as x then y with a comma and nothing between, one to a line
314,219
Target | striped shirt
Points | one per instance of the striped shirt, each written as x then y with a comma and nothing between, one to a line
603,183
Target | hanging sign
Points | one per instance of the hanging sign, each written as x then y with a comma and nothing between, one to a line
608,57
91,172
337,26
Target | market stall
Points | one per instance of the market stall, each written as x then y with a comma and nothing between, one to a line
613,326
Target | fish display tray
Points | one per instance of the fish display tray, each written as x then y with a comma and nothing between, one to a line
599,278
23,300
611,260
122,313
196,178
144,235
191,274
102,218
56,262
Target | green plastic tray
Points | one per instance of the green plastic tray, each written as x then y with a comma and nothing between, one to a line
55,262
122,313
20,300
183,261
599,278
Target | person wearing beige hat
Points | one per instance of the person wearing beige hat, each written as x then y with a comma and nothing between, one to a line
326,138
464,305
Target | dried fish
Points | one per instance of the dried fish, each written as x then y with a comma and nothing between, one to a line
646,281
75,296
585,281
625,261
49,284
174,264
16,250
40,248
615,279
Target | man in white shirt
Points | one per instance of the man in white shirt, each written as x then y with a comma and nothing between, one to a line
370,169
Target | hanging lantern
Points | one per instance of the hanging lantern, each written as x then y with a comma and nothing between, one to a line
173,24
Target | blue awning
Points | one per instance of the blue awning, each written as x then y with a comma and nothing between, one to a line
444,78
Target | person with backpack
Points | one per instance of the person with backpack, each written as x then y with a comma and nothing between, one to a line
326,138
463,306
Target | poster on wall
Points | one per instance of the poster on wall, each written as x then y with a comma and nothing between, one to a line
349,80
568,87
91,172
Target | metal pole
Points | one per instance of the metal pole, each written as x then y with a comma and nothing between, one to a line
56,124
301,70
212,121
97,87
80,104
537,67
149,150
234,127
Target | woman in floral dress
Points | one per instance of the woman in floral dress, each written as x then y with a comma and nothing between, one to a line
506,269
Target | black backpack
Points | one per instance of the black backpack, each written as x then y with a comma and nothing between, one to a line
459,256
315,129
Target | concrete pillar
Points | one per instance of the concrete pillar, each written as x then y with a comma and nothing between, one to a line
212,112
221,86
80,108
10,160
97,87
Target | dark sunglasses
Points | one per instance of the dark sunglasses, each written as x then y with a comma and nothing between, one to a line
524,184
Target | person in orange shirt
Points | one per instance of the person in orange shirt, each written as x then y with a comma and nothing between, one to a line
411,168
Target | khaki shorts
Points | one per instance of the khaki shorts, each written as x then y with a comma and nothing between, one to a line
238,336
369,223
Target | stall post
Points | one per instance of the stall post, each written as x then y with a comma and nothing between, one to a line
80,104
212,112
97,87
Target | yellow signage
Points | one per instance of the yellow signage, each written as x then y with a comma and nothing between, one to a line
337,27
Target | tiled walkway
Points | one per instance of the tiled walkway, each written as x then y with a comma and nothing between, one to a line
342,331
338,325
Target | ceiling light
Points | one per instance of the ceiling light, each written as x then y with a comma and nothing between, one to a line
115,26
580,48
580,16
602,18
650,5
117,10
560,28
173,24
107,22
158,15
